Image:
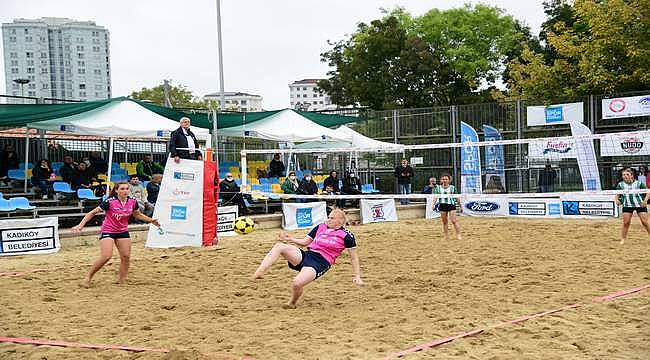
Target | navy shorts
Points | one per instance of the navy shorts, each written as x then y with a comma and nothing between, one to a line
313,260
115,236
446,207
631,210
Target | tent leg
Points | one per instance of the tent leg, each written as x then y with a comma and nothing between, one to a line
26,155
110,166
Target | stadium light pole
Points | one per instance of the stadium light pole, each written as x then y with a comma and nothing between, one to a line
22,83
222,95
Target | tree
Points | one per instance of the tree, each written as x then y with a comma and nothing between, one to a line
605,49
180,97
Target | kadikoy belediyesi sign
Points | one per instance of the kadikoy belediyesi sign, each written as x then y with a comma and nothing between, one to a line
29,236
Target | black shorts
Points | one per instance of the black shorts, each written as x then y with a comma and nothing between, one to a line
638,210
115,236
313,260
446,207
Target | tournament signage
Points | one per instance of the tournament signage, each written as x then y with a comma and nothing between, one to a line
179,208
486,207
470,161
552,149
555,114
29,236
379,210
632,106
303,215
535,207
592,206
625,144
226,215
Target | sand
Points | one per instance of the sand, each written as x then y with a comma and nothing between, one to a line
202,303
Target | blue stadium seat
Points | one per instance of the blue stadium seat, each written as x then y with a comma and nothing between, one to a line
63,187
238,182
16,174
5,205
256,187
273,180
86,194
267,188
264,181
21,203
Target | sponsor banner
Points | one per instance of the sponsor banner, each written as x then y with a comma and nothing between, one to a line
432,212
29,236
470,161
586,156
303,215
535,207
226,215
588,206
179,207
494,161
486,206
632,106
625,144
378,210
555,114
552,149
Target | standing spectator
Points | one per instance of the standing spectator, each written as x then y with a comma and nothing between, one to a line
136,191
308,186
547,179
43,177
351,186
83,177
183,143
68,170
8,160
404,173
276,167
290,185
153,188
230,193
98,164
147,167
428,189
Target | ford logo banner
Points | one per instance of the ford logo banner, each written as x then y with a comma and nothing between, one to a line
481,206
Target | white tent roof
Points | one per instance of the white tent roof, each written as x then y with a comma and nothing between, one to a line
116,119
286,125
357,141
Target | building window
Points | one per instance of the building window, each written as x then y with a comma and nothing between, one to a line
96,94
31,77
304,95
304,88
12,39
29,54
80,40
95,33
31,93
45,86
28,39
26,31
243,102
321,102
13,31
98,87
82,94
81,63
80,48
43,70
43,55
97,72
30,70
80,55
82,86
81,71
13,55
42,39
315,102
96,48
31,86
14,70
14,62
30,62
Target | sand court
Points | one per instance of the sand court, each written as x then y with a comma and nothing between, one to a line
201,303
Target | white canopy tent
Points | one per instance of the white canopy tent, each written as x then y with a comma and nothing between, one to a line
117,119
356,141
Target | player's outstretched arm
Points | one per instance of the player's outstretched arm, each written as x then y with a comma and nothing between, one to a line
356,267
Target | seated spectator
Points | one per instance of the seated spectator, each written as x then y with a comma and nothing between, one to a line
494,186
68,170
98,164
261,173
83,177
8,160
43,177
230,193
276,167
153,188
333,181
428,189
136,191
308,186
290,185
147,167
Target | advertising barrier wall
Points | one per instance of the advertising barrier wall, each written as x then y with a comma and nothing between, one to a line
488,206
303,215
589,206
226,215
535,207
29,236
378,210
430,212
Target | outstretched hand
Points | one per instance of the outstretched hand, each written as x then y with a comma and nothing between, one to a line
77,229
155,222
284,236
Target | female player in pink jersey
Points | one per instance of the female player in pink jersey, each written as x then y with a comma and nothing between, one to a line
324,243
115,229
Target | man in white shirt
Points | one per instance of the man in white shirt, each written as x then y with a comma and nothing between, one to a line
183,143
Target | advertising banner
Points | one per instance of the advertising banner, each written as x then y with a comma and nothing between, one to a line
555,114
29,236
535,207
379,210
586,156
470,161
179,208
589,206
625,144
488,206
430,212
226,215
494,161
552,149
632,106
303,215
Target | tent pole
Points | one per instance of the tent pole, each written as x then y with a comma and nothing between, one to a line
26,155
110,165
244,169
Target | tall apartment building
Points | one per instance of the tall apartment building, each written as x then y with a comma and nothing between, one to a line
238,101
61,58
305,95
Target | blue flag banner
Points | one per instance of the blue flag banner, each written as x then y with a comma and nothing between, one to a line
495,174
470,161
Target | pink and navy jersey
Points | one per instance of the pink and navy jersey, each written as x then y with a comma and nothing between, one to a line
330,242
117,214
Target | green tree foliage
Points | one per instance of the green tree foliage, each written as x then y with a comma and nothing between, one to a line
439,58
603,48
180,97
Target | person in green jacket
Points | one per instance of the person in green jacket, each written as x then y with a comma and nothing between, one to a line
290,185
146,168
